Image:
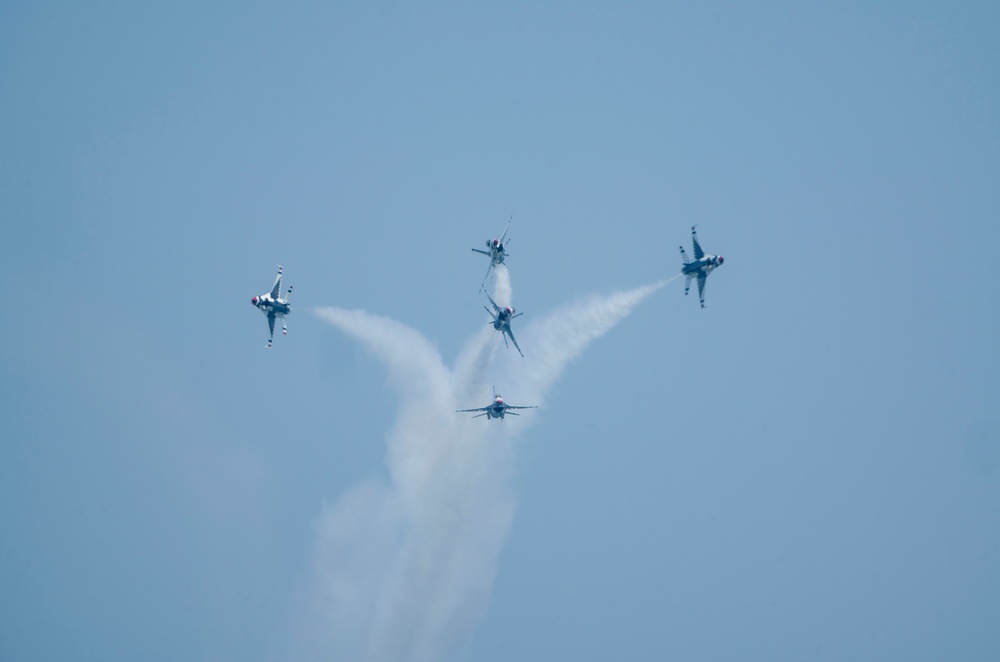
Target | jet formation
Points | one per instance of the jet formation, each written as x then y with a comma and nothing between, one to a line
275,306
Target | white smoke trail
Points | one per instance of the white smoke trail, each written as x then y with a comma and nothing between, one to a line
412,563
478,353
503,293
565,333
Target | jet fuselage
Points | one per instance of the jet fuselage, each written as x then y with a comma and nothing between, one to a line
703,266
267,305
497,253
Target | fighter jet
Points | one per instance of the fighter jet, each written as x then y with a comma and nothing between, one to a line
273,306
496,409
501,321
496,251
702,266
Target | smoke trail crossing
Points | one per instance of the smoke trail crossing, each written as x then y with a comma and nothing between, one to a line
412,562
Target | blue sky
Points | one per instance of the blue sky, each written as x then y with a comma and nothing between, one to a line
807,469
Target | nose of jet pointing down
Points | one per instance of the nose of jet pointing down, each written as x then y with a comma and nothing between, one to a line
254,300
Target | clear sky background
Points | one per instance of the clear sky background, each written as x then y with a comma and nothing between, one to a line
809,468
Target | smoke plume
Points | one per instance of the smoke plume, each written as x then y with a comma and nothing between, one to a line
410,561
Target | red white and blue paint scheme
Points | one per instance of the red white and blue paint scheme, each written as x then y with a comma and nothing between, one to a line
497,253
273,305
702,265
496,409
501,322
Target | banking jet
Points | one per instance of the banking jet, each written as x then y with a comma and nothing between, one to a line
501,322
274,306
702,266
496,409
497,253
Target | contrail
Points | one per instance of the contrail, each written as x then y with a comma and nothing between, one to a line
411,562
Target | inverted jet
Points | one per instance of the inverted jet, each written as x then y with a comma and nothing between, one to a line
273,305
497,253
501,322
496,409
702,265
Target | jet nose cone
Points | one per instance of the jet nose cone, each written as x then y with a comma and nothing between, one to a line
254,300
721,259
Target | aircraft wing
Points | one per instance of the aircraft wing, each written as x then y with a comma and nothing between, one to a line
270,323
276,288
701,288
698,253
522,406
510,333
504,235
495,306
488,270
480,409
476,250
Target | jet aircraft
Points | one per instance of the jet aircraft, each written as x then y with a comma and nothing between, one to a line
702,265
497,253
501,321
496,409
274,306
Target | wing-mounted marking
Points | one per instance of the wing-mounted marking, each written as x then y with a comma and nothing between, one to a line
504,235
702,277
511,334
270,326
698,253
276,288
684,256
